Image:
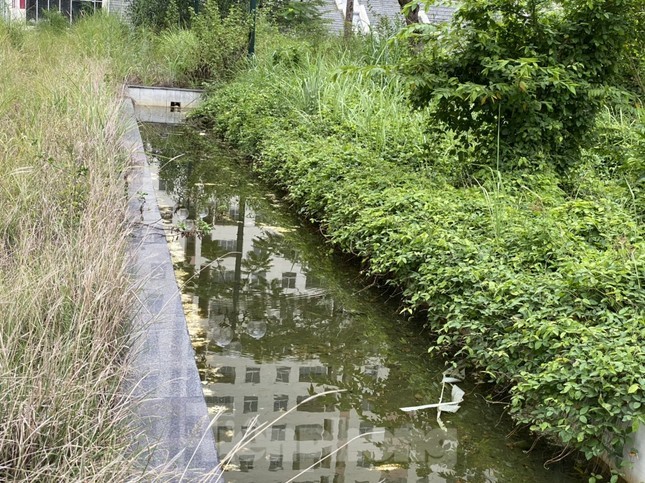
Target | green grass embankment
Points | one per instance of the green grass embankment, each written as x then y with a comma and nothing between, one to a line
534,279
65,294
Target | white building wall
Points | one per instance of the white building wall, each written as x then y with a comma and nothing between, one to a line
10,10
117,7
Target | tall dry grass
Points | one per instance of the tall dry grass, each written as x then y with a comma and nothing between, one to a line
64,297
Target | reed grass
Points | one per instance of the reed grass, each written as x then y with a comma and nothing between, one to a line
64,289
334,84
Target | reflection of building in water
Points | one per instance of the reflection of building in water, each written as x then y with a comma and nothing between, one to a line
267,289
315,429
244,244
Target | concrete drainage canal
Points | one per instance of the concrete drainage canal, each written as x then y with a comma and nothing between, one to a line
307,375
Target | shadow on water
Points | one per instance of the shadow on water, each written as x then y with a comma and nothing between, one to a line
274,318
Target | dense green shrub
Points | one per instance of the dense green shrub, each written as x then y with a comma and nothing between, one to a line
296,14
222,40
632,61
162,14
538,286
526,77
210,50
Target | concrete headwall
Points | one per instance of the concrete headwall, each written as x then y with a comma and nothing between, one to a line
164,96
161,104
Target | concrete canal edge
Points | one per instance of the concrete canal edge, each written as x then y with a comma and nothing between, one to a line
176,440
635,454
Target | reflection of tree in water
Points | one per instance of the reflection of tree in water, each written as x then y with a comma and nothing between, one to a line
380,365
262,316
280,246
192,171
255,264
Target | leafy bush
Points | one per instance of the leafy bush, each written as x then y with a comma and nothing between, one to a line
209,51
526,77
161,14
222,41
293,15
632,61
539,287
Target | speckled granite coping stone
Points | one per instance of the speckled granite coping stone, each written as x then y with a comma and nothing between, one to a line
176,439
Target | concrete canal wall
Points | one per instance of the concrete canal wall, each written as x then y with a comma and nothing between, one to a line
176,441
635,454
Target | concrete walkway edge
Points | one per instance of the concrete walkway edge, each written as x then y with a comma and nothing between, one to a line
176,439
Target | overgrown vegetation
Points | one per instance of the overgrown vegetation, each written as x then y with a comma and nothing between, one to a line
63,286
162,14
531,74
212,49
532,274
520,244
180,14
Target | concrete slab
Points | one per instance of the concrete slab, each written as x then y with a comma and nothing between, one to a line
176,441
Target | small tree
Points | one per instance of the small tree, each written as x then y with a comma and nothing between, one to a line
525,77
222,41
161,14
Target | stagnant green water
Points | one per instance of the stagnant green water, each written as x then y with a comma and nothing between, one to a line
275,316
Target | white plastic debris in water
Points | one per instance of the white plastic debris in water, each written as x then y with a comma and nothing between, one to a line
457,396
449,379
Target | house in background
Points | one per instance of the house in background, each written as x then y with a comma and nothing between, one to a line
33,9
12,9
367,13
370,13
